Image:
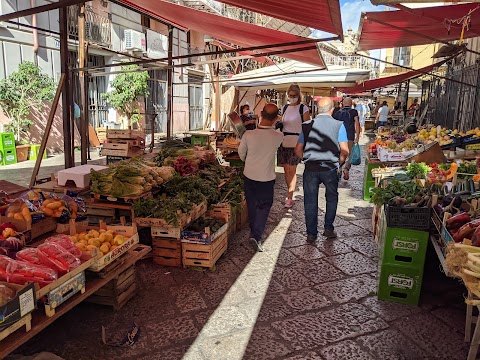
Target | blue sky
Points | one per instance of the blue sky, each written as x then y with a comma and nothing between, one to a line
352,9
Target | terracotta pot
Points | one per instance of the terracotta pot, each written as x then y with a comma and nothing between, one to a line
22,152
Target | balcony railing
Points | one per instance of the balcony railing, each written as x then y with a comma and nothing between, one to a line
98,28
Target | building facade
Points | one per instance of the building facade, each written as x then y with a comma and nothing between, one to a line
106,26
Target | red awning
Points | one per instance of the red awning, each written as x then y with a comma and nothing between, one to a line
390,80
318,14
430,22
233,31
261,59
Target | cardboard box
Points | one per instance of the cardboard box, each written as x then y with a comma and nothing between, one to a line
23,304
389,156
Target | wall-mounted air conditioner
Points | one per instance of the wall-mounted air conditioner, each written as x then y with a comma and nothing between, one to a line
134,40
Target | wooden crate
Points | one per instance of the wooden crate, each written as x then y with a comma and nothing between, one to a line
137,142
167,251
124,134
32,231
161,229
204,255
24,321
118,291
121,149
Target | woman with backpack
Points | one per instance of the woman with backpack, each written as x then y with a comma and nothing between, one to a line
293,115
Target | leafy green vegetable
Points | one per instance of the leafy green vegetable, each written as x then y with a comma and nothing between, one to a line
466,167
417,169
407,190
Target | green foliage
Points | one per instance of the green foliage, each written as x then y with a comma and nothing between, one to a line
20,92
418,169
127,87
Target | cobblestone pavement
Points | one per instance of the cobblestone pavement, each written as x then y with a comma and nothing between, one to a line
295,301
20,173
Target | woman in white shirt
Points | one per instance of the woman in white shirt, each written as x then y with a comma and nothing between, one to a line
293,115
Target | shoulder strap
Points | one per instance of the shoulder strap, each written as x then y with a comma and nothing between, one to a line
300,109
284,109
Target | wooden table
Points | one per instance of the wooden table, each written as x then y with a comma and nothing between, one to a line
13,190
40,321
53,186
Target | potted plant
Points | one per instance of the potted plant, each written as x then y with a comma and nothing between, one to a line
128,87
22,91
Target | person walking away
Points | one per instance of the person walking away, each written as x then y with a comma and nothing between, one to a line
257,149
293,115
248,121
349,117
323,146
382,115
362,113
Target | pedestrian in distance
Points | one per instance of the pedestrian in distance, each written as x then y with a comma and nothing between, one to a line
323,146
248,121
293,115
257,149
382,115
350,118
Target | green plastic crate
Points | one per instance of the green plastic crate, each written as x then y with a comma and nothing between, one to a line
33,152
403,247
200,140
8,157
400,284
7,141
368,186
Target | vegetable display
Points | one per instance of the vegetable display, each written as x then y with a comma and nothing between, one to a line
417,170
400,194
131,177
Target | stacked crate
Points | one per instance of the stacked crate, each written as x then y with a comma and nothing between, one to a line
8,152
124,144
402,255
368,180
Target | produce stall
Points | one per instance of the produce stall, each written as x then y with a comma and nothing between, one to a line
421,203
62,248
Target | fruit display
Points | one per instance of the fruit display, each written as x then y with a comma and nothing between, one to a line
442,135
102,240
131,177
19,210
56,257
54,207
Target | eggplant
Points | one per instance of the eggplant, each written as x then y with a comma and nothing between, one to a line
438,209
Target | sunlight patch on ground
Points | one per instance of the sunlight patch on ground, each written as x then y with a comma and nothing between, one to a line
241,306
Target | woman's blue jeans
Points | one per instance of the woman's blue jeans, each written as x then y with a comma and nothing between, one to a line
311,183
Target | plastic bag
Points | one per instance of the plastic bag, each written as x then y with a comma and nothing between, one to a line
57,258
355,156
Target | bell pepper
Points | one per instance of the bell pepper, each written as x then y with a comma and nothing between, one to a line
466,231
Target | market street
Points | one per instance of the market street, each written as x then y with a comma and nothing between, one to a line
294,301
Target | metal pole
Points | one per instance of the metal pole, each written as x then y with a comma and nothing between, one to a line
62,4
220,52
81,77
406,100
66,99
170,83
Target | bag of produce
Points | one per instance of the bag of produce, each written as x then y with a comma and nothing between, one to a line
29,255
65,242
20,272
4,261
57,258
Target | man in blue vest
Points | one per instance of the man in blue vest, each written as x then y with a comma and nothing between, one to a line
323,146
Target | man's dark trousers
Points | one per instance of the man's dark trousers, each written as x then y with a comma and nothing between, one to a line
259,197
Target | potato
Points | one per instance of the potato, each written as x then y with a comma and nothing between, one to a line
18,216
